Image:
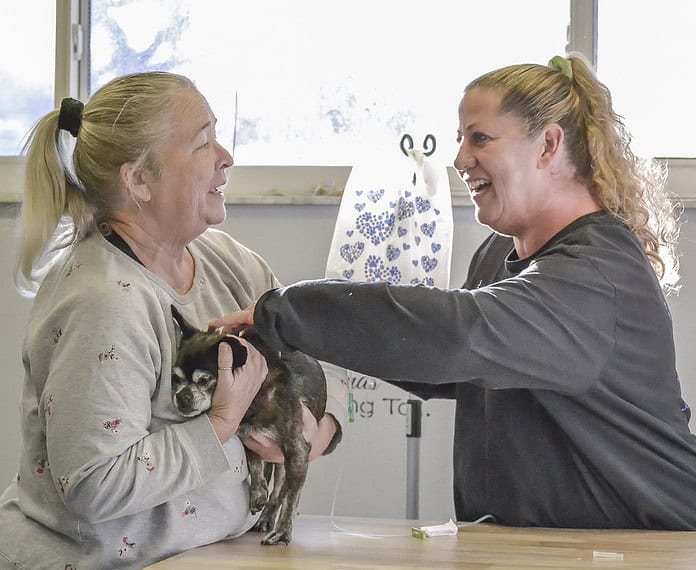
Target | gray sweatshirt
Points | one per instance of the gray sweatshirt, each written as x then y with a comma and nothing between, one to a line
110,475
569,409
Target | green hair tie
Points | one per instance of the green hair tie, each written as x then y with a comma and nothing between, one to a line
563,65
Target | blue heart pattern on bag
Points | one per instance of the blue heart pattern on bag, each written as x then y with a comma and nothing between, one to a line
375,195
422,204
428,263
375,227
378,227
351,252
393,252
406,209
428,229
375,270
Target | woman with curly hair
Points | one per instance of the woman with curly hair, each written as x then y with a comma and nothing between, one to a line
559,348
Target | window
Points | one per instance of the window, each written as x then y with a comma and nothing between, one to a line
319,85
26,69
648,65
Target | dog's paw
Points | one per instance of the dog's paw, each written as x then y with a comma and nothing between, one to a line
277,537
258,499
262,525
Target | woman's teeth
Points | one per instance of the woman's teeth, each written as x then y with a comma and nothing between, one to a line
477,184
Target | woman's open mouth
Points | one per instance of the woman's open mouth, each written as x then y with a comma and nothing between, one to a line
478,185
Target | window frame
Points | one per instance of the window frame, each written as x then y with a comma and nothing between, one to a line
255,184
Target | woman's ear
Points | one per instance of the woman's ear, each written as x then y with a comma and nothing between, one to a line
553,136
134,182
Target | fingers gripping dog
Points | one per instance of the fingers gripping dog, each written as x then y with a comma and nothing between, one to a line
276,412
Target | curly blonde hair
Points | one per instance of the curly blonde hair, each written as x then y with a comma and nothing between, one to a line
67,196
633,190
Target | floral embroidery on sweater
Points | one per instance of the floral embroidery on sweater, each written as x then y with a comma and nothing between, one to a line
127,545
74,267
113,425
146,460
42,466
63,483
240,467
108,354
190,510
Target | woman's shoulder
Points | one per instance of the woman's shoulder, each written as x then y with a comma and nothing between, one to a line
218,246
601,244
488,262
217,240
597,227
95,273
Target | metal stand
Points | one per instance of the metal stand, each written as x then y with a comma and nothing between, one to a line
413,434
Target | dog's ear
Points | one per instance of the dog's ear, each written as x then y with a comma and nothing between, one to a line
182,327
239,352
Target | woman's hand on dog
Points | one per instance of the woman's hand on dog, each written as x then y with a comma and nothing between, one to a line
318,435
235,389
234,323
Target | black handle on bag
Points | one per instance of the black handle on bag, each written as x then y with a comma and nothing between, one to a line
430,138
406,144
406,138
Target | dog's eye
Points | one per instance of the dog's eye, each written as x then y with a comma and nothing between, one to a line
202,376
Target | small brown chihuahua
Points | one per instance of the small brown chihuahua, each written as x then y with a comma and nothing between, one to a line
276,412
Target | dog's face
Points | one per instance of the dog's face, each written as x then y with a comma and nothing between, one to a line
195,369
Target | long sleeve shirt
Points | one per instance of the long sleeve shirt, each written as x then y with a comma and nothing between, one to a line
110,475
569,409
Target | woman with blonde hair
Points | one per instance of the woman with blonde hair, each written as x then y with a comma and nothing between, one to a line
115,231
559,348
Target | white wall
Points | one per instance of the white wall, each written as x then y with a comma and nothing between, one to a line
371,462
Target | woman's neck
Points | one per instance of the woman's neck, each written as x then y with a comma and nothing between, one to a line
169,259
560,213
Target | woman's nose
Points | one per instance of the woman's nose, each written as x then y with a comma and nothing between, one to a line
226,159
464,160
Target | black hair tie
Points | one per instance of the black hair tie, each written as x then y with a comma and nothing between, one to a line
70,116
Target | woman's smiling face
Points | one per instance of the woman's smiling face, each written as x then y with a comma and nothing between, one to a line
499,162
187,193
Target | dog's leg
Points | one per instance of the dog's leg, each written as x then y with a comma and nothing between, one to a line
296,452
258,488
270,512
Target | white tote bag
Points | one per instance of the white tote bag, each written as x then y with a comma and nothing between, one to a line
395,222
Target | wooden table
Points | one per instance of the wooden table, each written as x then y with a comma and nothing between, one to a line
367,544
